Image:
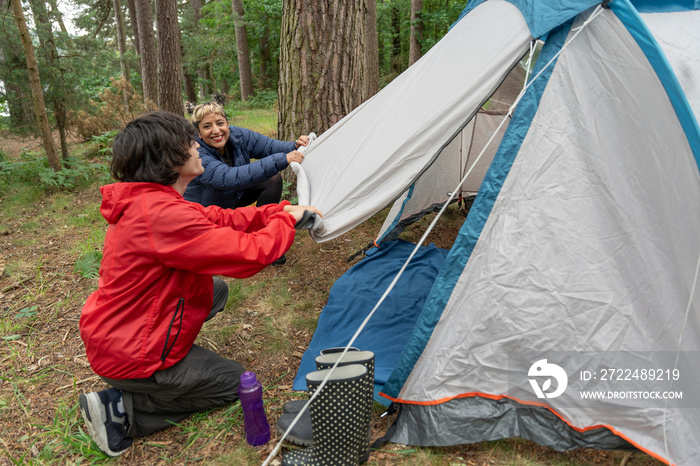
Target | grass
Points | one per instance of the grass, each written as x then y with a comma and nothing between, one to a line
24,195
51,242
261,120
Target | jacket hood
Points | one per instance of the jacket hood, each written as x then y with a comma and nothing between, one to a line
118,196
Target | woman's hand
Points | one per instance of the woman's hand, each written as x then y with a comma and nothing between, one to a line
295,156
302,141
298,211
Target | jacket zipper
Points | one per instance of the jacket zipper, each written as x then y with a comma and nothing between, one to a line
179,311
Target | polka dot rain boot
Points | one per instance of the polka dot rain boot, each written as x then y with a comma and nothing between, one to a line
294,406
366,358
337,416
302,433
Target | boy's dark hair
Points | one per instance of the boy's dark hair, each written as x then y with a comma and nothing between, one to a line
150,147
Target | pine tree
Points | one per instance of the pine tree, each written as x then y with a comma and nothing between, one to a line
169,57
147,51
244,72
322,64
35,82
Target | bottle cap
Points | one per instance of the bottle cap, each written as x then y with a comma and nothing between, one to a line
248,379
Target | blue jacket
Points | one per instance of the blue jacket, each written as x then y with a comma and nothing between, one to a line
223,185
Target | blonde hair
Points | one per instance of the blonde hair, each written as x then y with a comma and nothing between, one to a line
202,110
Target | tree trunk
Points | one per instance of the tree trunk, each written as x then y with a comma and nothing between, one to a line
149,71
322,61
244,72
131,6
61,117
17,96
395,39
371,51
204,85
35,81
190,90
204,89
415,51
265,56
381,44
212,77
54,77
12,71
169,57
59,18
121,43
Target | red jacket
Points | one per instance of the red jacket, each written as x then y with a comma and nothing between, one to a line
155,287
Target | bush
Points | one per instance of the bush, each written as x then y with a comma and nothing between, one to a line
88,264
5,122
109,113
261,99
103,143
32,168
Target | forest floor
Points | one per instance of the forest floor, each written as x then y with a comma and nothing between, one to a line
266,326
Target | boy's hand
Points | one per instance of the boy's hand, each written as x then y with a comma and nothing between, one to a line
298,211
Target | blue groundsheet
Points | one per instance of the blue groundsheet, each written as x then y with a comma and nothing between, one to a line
354,295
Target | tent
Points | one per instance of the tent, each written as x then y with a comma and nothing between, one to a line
567,310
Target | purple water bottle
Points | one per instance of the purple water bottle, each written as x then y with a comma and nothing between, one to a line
257,430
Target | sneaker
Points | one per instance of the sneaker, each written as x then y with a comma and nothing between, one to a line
106,424
281,261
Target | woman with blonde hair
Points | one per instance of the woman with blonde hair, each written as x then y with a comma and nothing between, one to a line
230,179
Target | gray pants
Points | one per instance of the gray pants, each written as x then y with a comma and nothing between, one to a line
202,380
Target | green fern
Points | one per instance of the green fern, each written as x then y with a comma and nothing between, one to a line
88,264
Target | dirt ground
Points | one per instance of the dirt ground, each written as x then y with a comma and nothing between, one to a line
13,145
60,350
55,361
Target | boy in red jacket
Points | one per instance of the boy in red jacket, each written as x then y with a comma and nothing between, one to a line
156,288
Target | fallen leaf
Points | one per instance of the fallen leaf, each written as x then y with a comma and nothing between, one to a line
82,362
164,443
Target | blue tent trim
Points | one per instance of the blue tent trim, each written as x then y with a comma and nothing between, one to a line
665,6
545,15
396,221
478,214
629,17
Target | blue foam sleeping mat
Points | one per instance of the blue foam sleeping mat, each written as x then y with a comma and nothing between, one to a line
357,291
